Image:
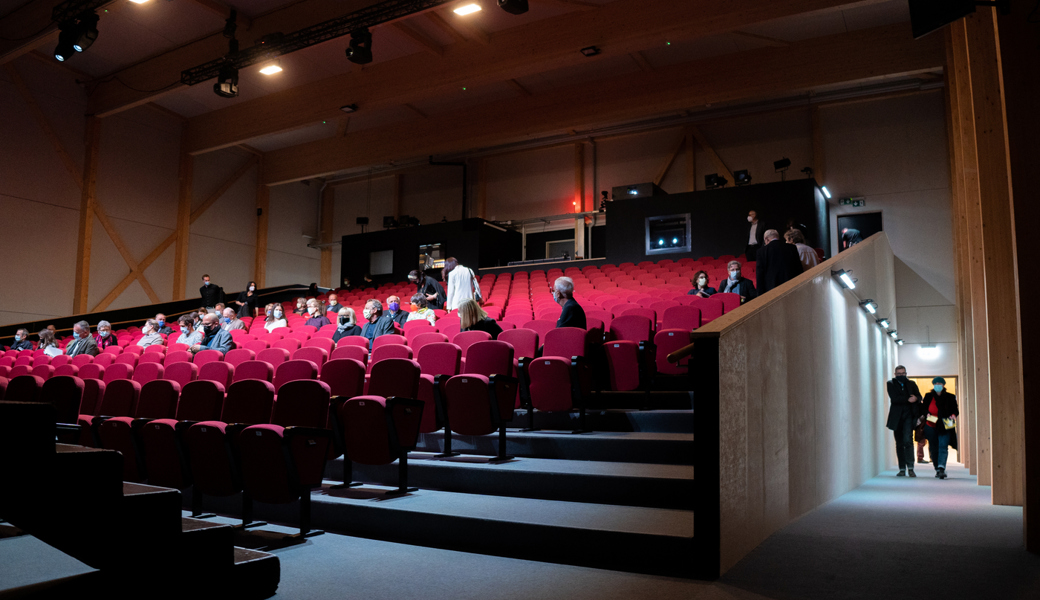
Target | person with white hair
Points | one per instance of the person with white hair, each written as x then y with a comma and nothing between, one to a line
104,337
735,284
777,263
82,342
231,320
317,318
346,324
572,315
151,334
377,323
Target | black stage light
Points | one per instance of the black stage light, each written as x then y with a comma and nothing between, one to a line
64,49
349,108
86,32
362,220
359,51
389,222
782,165
227,82
515,7
714,181
590,51
741,177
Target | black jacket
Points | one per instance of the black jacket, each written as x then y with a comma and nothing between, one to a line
22,345
759,233
399,318
488,325
777,263
383,325
342,333
428,285
901,407
211,294
946,403
744,288
572,315
708,291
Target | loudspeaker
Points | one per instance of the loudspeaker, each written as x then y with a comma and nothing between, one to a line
516,7
362,220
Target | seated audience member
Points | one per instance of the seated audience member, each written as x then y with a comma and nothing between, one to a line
333,305
346,284
777,263
219,309
473,318
246,301
377,323
301,306
429,288
82,342
393,305
231,320
151,334
806,255
346,324
54,330
213,337
735,284
104,337
700,286
317,315
163,328
572,315
421,310
21,340
48,344
189,334
275,318
196,318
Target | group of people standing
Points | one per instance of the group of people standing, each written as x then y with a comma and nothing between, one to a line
931,417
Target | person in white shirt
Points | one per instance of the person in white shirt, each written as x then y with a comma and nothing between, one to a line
756,232
806,255
275,318
461,284
421,310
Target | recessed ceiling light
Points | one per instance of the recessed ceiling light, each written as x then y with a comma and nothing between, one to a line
467,9
271,68
137,2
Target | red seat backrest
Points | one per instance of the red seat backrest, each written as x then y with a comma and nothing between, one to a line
148,372
345,376
523,341
389,339
636,328
681,317
239,356
218,371
395,377
292,370
254,369
565,342
359,353
316,355
275,356
467,338
248,401
440,358
200,401
492,357
181,372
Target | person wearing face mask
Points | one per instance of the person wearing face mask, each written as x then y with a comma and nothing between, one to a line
301,306
82,342
806,255
231,320
151,334
735,284
316,316
48,344
940,410
275,318
211,294
421,310
393,305
377,323
429,288
213,337
189,334
572,315
700,286
160,319
346,324
756,233
104,337
905,401
333,306
246,301
21,340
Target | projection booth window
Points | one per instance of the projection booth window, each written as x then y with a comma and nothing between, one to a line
668,234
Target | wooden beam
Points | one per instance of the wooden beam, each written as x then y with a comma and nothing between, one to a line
470,29
185,174
819,162
640,59
671,157
716,160
88,200
342,126
249,149
263,209
998,232
420,39
548,44
328,207
28,27
579,177
691,164
516,85
224,11
117,241
841,58
769,41
417,112
230,181
578,4
439,22
169,113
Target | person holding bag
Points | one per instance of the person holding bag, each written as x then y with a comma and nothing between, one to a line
461,284
940,411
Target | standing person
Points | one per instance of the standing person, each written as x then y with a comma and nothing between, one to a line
473,318
82,342
700,286
377,324
104,337
393,305
755,234
572,315
211,294
21,340
346,324
737,284
461,284
806,255
429,288
247,301
941,412
904,397
777,263
48,343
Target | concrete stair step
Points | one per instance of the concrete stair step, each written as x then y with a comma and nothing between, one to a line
610,446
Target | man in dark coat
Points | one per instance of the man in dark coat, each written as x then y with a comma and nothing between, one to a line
756,231
429,288
377,323
211,294
777,263
905,398
572,315
737,284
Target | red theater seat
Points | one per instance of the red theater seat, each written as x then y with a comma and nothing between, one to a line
254,369
158,400
378,431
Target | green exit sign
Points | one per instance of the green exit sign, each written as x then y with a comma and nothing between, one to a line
852,201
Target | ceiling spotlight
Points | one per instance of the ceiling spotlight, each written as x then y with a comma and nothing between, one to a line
271,68
870,306
514,7
86,32
590,51
139,1
843,276
714,181
360,50
741,177
467,9
883,323
892,334
227,82
782,165
899,342
349,108
64,49
825,191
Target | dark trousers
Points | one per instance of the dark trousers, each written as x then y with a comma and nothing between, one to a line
751,251
938,446
904,435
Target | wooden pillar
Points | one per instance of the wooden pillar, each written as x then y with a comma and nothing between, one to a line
979,359
998,231
328,202
819,164
180,253
263,208
88,200
482,179
691,165
579,178
1018,50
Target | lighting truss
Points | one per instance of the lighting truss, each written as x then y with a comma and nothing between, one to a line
308,36
70,10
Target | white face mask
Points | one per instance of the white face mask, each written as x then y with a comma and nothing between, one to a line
367,313
750,219
734,275
702,281
252,288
